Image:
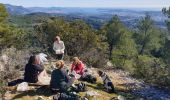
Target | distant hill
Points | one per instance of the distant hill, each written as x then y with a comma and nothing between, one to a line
17,9
95,16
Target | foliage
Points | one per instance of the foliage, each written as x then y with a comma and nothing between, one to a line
147,36
166,52
3,13
124,50
139,51
166,12
152,70
112,30
122,47
79,37
12,36
166,48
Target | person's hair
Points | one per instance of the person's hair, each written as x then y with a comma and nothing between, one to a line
57,38
37,59
32,59
60,64
76,59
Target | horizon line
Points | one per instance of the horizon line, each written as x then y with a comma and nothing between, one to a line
123,7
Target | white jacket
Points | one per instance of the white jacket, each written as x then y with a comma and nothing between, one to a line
59,47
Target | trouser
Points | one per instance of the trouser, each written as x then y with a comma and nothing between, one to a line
59,56
66,86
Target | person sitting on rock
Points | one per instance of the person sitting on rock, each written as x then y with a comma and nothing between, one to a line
60,80
81,72
77,66
33,70
62,84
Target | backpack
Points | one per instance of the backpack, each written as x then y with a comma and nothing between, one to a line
81,87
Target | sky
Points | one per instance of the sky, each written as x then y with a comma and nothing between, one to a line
90,3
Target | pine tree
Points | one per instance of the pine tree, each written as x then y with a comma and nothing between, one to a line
112,30
148,37
3,13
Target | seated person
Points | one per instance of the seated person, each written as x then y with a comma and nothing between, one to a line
34,70
77,66
60,80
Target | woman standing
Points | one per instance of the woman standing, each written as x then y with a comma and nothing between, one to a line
58,47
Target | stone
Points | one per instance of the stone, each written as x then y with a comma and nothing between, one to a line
22,87
39,98
109,64
120,97
92,94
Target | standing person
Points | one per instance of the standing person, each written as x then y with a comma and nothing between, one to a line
58,47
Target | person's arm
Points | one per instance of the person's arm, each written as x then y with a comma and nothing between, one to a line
54,47
72,67
63,47
64,73
40,68
82,68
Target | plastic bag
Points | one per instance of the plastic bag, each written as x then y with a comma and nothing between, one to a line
22,87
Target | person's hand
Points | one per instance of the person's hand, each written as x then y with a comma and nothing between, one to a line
61,51
71,75
77,76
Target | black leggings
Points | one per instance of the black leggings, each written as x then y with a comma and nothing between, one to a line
59,56
66,86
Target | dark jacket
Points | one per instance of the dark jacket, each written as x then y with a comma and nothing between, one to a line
58,77
31,72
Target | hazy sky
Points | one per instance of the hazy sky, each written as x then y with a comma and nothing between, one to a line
90,3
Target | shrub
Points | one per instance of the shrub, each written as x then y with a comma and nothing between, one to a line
152,70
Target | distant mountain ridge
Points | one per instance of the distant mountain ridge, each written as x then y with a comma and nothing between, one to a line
17,9
128,16
25,10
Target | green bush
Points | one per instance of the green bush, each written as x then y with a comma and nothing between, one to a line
152,70
79,38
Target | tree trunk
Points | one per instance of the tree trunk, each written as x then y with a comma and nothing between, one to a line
142,49
110,51
144,42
